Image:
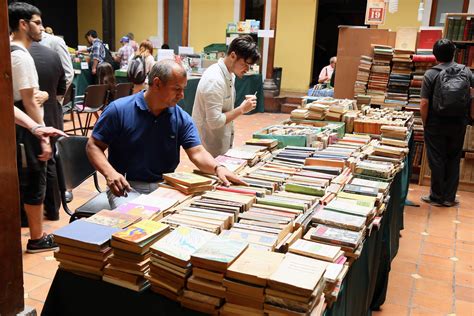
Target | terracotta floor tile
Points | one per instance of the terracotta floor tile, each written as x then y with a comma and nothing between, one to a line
32,282
445,263
400,280
465,278
398,295
440,304
438,250
466,212
434,287
46,269
466,219
465,245
403,266
421,311
465,293
464,308
435,273
41,292
30,261
389,309
441,241
465,235
38,305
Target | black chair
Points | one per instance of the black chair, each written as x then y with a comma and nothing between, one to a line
73,168
68,107
123,89
93,100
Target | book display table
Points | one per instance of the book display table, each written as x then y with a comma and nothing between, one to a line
363,289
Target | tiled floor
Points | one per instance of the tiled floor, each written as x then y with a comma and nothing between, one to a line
431,275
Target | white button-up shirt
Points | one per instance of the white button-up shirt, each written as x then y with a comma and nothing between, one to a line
215,95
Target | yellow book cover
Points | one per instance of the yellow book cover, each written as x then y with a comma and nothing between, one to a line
187,178
140,231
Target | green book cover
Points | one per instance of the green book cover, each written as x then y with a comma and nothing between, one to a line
296,188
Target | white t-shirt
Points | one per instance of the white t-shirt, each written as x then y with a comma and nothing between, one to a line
24,75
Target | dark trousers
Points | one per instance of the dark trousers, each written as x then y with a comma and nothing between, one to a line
444,150
52,200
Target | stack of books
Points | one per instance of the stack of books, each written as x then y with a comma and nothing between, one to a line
316,250
188,182
363,72
205,214
396,150
394,136
379,73
270,143
376,169
251,153
349,241
293,156
84,247
398,86
236,165
170,264
296,287
130,261
317,111
336,111
113,219
205,290
299,114
245,281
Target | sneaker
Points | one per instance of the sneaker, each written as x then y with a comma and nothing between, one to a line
45,243
451,204
428,200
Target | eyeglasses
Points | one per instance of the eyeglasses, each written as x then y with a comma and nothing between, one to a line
37,22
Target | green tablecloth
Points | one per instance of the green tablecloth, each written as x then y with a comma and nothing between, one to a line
247,85
82,80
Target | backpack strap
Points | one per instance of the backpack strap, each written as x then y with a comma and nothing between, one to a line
15,47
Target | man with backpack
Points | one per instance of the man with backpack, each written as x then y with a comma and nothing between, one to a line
98,52
446,108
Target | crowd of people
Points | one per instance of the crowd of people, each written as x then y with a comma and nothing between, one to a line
145,131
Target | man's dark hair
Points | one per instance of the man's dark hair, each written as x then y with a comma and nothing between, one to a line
245,47
92,33
444,50
20,11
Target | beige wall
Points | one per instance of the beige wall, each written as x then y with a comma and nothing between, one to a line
208,22
139,17
406,16
89,16
295,42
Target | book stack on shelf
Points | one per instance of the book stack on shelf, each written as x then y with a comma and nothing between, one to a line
84,247
296,287
397,93
171,260
245,281
363,72
205,289
379,73
129,264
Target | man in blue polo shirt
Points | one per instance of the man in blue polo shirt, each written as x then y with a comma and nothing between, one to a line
143,134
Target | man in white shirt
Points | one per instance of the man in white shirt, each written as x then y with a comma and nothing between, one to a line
213,110
26,26
326,73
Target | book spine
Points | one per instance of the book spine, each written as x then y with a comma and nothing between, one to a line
462,25
467,29
450,28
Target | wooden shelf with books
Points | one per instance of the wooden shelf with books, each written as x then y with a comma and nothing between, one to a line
459,27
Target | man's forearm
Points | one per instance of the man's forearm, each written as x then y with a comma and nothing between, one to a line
202,159
94,65
232,115
22,119
98,159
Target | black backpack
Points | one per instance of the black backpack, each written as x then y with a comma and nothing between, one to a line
109,59
451,95
136,71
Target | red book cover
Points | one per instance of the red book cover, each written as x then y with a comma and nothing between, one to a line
427,38
470,58
424,58
467,28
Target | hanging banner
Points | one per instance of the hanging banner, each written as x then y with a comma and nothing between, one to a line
375,12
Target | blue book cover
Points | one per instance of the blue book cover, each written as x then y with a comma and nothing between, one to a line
85,234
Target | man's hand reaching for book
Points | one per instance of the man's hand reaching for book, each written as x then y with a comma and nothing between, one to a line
118,184
227,176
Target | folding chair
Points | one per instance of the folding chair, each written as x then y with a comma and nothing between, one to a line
73,168
123,89
94,99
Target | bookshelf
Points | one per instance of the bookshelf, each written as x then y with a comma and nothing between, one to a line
459,27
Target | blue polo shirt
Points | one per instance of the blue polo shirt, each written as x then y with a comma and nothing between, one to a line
141,144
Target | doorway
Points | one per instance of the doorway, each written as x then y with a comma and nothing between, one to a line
331,14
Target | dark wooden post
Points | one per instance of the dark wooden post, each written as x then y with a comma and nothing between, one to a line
108,23
11,271
184,36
